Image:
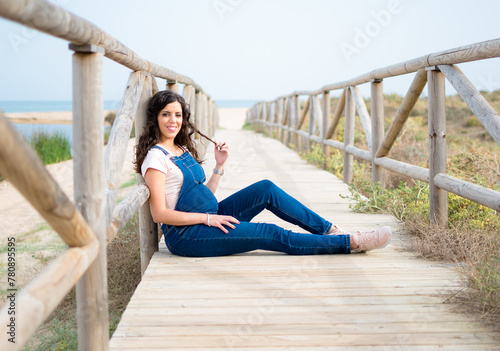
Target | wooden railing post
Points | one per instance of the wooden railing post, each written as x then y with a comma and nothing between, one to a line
148,229
88,160
172,85
313,119
295,109
279,119
377,110
210,117
326,120
272,119
437,145
350,114
285,117
198,122
206,115
265,118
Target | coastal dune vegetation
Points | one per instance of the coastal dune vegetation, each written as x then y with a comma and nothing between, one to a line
472,237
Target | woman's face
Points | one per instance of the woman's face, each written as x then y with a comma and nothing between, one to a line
170,120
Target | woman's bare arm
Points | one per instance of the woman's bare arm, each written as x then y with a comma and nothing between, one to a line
161,214
221,155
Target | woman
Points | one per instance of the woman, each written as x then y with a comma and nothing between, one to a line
196,224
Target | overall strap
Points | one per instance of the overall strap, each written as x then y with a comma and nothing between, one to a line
162,149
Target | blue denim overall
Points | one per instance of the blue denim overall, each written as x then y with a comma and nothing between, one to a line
201,240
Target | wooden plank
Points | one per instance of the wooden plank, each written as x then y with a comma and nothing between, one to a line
294,319
250,340
179,301
305,291
310,282
270,307
467,347
288,329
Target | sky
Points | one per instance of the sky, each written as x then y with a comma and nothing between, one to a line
254,49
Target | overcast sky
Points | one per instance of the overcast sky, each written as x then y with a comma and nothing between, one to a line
254,49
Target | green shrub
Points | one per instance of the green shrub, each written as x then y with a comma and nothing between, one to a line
472,238
51,148
473,121
110,118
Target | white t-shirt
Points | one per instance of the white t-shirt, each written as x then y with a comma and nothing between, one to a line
156,159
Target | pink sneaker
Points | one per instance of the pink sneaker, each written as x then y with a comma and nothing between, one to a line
373,239
338,231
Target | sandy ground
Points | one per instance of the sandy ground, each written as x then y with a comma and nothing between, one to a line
36,242
58,117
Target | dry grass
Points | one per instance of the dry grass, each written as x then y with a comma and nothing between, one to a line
124,274
472,239
476,252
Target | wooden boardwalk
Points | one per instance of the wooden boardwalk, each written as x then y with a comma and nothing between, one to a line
382,300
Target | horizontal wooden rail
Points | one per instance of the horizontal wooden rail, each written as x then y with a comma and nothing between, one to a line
49,18
415,172
31,178
481,195
119,136
432,68
461,54
40,297
126,209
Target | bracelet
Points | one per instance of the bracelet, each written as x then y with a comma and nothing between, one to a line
221,173
208,219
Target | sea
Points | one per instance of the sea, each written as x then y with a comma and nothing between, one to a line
27,129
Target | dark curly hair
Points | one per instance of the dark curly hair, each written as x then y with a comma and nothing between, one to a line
151,134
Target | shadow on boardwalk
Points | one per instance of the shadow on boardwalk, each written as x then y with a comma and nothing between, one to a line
382,300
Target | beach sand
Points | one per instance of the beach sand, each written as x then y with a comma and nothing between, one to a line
37,243
58,117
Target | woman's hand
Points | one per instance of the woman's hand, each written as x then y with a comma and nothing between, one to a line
220,221
221,152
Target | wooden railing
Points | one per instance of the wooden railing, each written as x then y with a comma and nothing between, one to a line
94,220
285,118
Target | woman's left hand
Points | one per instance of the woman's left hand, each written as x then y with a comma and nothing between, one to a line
221,153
